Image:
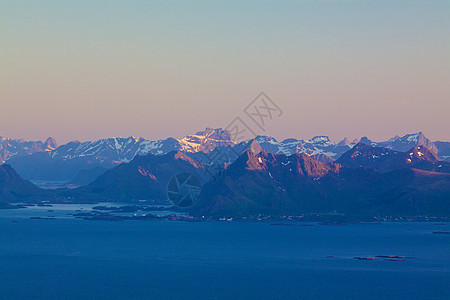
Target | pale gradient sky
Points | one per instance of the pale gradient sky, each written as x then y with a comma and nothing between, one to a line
92,69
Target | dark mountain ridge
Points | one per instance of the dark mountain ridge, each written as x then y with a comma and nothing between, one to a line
13,188
386,160
264,183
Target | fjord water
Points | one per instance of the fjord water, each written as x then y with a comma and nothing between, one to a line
70,258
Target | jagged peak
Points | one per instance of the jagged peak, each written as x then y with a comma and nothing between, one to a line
50,139
413,137
365,140
393,139
363,149
265,138
136,139
214,133
319,138
206,141
344,142
208,130
127,138
255,147
254,160
50,143
362,145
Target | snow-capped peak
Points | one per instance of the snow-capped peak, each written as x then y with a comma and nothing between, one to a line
319,139
412,138
206,141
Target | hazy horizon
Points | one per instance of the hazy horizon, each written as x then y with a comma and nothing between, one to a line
88,70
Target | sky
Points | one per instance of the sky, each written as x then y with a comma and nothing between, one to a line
84,70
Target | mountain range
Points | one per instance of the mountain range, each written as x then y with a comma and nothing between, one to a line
81,162
386,160
10,148
364,180
67,161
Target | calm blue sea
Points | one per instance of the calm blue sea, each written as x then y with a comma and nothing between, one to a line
69,258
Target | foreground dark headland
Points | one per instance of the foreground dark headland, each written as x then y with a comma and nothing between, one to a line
258,177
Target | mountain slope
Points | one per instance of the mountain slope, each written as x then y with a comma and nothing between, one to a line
13,187
87,176
443,149
144,178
